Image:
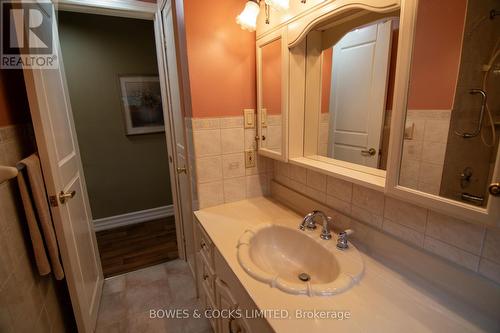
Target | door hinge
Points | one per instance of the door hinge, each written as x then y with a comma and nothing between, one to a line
53,201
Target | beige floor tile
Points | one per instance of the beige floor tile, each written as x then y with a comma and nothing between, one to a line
128,299
145,276
114,284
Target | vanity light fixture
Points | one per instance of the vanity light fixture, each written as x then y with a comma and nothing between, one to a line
278,4
248,17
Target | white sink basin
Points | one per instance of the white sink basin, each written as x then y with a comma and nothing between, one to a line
298,262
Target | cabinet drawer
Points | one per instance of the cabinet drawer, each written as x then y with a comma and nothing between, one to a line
205,246
207,277
209,305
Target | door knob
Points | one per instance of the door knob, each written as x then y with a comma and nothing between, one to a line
182,170
369,152
494,189
65,196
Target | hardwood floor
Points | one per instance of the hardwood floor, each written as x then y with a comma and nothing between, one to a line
137,246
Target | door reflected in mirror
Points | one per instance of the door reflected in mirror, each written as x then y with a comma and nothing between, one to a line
270,103
453,112
356,69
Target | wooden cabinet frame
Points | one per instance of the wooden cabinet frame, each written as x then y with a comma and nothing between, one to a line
297,23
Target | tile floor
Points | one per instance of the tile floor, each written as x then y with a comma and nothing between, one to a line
128,298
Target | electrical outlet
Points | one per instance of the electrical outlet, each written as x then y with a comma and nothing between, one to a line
249,118
250,159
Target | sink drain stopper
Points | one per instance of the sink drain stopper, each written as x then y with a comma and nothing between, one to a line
304,277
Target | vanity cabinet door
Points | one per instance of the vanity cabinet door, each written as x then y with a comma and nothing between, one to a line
272,95
226,303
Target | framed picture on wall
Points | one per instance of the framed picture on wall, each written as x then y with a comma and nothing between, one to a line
141,98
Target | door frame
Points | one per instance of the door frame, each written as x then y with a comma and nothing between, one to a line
147,11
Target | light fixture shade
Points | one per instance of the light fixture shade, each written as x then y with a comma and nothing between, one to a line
279,4
248,17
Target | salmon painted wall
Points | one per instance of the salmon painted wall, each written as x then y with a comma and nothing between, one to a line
221,59
436,57
326,79
271,77
14,107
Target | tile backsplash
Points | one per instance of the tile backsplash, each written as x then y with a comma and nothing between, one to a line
424,152
28,302
472,246
218,155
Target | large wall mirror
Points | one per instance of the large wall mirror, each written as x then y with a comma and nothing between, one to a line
452,122
271,97
350,70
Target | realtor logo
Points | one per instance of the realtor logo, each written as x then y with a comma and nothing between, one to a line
27,34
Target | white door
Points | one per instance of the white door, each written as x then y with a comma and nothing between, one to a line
180,153
360,66
62,169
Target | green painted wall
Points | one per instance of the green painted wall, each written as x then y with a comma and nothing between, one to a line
123,173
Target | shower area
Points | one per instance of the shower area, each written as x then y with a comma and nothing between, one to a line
475,118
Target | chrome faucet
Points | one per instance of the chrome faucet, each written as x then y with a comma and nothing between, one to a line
342,243
309,224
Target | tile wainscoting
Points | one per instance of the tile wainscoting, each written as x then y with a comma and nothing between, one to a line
217,157
28,302
472,246
424,152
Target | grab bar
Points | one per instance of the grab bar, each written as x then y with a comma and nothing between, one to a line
467,135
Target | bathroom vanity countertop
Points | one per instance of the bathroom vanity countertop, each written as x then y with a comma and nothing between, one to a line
383,301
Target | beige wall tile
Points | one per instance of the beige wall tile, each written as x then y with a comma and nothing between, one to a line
430,173
315,194
231,122
491,249
233,165
207,143
409,173
261,166
339,188
434,153
205,123
234,189
257,185
209,169
273,137
406,214
412,150
316,180
250,143
490,269
337,204
464,235
281,168
232,140
406,234
369,199
452,253
429,188
210,194
436,130
298,174
366,216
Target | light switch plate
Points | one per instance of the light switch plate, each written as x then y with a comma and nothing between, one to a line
249,118
263,117
250,159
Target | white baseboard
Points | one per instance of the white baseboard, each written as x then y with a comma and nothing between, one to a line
133,218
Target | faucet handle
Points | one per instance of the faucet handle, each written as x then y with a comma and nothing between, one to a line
342,243
325,232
